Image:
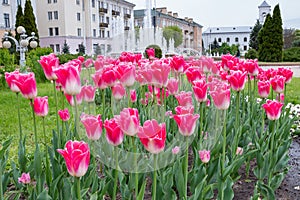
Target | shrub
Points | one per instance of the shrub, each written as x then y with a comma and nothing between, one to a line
251,54
157,49
64,58
6,65
32,62
292,54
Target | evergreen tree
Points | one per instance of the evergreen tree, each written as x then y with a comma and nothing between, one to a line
66,48
81,49
30,25
277,35
253,35
19,21
265,40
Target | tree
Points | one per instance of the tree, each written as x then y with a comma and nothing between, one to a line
81,49
66,48
173,32
296,42
30,25
19,21
277,38
253,35
265,41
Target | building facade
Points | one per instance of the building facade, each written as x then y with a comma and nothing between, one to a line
90,23
238,35
160,17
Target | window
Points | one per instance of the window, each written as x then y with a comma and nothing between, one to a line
236,39
56,31
77,2
219,40
52,47
102,34
6,20
245,48
51,31
5,2
79,32
102,19
50,15
93,3
49,1
108,34
78,16
245,39
57,48
19,2
55,14
228,39
107,20
93,17
54,1
94,32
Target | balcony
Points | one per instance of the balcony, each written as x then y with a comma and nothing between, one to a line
126,28
127,16
115,13
103,25
103,10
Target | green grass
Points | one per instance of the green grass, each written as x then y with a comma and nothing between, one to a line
293,91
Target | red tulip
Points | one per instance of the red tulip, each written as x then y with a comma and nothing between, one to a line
9,77
277,83
88,93
172,86
184,98
49,63
263,88
114,134
64,114
237,80
153,136
27,85
93,125
118,91
129,121
200,90
273,109
40,106
287,73
69,78
204,155
186,123
77,157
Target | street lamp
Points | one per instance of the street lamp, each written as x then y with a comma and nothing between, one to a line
22,44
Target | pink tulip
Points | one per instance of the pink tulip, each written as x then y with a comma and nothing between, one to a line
9,77
280,97
151,53
89,92
175,150
93,125
252,67
70,99
77,157
129,121
239,151
133,97
160,73
273,109
184,98
181,110
186,123
69,78
126,74
204,155
49,63
153,136
40,106
64,114
88,63
263,88
277,83
220,94
177,63
27,85
287,73
200,90
237,80
109,76
25,178
118,91
194,74
172,86
114,134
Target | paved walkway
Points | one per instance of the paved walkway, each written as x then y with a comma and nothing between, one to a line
295,69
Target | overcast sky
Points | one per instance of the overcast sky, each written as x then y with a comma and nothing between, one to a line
211,13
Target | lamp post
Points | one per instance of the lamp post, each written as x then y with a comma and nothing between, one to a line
21,45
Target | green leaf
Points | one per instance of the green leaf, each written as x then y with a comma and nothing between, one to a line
179,178
228,192
142,191
44,195
37,161
266,191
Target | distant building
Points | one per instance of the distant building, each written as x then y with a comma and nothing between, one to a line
160,17
238,35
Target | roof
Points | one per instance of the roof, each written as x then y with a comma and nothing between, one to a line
264,4
232,29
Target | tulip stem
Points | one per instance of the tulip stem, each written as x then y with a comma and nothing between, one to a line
1,189
76,118
56,113
201,123
185,165
19,116
273,124
103,104
135,170
237,124
223,156
34,123
48,175
77,183
154,177
116,174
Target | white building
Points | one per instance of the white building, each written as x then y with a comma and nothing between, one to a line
238,35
